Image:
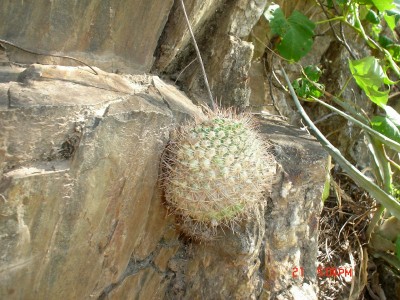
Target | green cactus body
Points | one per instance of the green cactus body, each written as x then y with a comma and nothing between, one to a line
217,171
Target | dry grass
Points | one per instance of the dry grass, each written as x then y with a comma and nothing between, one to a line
343,240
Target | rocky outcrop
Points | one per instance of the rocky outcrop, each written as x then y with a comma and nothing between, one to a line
80,207
258,260
221,28
81,214
118,36
115,35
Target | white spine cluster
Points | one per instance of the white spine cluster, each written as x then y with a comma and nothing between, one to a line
216,172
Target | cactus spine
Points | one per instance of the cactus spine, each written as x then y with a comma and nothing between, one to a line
216,171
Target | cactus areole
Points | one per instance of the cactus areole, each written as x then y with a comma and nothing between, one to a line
216,170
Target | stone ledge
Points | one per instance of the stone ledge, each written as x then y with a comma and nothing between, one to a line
76,229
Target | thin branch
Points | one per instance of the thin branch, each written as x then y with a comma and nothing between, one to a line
198,56
391,160
375,191
353,55
384,139
325,118
271,93
394,95
184,69
342,41
47,54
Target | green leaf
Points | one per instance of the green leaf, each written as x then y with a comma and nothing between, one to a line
392,115
398,247
372,17
385,41
278,23
304,87
383,5
375,30
296,34
370,77
395,11
394,50
385,126
390,20
313,72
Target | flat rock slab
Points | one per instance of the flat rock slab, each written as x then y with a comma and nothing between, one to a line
79,159
82,216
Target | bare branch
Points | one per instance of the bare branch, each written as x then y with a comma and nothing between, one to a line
198,56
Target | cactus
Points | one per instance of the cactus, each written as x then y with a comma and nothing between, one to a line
216,171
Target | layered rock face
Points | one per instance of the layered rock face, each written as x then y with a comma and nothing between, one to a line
82,215
81,212
221,28
80,205
139,36
115,35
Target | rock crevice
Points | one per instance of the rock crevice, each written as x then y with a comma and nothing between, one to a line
81,211
82,214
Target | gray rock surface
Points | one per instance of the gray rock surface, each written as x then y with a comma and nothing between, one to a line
221,28
111,34
81,214
257,261
131,36
292,213
80,207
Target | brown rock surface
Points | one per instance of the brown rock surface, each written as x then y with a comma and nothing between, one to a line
258,260
81,215
131,37
80,208
221,28
112,34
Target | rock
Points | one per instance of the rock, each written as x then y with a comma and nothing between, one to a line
81,214
113,34
220,28
292,214
259,258
176,37
389,280
80,207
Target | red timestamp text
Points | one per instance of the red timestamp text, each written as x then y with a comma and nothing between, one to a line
324,272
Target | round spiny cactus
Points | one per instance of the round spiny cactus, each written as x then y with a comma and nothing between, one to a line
216,171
